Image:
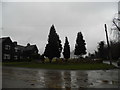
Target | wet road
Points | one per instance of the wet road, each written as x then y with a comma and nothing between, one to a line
40,78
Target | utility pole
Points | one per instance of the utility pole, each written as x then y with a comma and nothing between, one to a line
109,51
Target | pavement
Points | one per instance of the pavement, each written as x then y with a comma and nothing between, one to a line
114,63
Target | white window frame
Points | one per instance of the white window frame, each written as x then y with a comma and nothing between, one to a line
16,49
7,47
16,57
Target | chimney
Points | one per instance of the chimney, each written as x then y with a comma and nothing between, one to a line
15,43
28,44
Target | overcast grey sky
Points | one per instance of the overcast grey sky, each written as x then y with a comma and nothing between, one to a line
30,22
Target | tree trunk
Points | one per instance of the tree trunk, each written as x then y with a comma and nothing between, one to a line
66,60
50,60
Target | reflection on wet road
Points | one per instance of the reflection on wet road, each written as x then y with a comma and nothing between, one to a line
39,78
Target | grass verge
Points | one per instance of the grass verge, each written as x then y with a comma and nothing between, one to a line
77,66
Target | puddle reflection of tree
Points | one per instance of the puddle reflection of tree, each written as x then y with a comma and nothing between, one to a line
82,79
65,79
73,79
53,79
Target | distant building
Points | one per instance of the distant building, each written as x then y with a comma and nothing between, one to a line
11,51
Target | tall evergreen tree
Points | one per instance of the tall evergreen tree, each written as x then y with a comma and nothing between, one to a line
66,52
101,49
80,48
54,47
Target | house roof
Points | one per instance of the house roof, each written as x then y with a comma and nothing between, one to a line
20,47
26,48
31,47
3,39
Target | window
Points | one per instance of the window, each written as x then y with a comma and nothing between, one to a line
7,47
15,57
6,56
16,49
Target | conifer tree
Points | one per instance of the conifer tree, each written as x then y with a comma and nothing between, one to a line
80,48
66,52
54,47
101,49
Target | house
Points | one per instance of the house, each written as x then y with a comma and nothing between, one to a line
18,51
31,52
7,49
25,52
11,51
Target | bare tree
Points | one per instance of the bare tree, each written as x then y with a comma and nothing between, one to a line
116,27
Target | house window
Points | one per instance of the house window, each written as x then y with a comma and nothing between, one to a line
16,49
6,56
15,57
7,47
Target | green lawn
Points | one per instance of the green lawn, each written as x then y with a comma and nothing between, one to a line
65,66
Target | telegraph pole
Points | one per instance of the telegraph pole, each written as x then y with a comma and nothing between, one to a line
109,51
